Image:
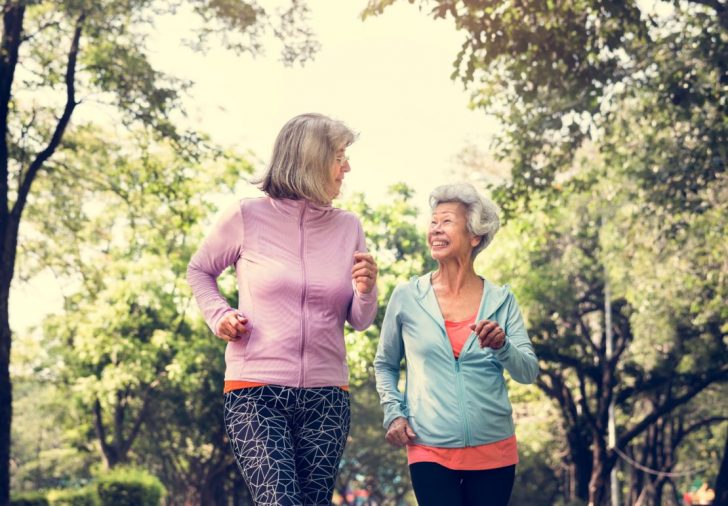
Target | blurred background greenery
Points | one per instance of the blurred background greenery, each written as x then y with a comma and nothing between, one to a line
609,170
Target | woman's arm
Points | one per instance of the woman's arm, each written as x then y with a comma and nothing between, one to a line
390,352
363,308
517,355
221,248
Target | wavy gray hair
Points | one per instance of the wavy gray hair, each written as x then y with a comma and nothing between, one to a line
482,214
302,156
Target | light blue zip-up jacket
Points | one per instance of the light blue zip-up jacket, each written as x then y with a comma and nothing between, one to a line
450,403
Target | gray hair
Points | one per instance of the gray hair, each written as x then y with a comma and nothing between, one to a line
482,214
302,157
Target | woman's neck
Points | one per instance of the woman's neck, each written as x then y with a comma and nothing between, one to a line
456,276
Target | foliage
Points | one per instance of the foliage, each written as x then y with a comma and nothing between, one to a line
86,496
123,328
46,457
535,482
558,259
369,462
29,499
129,487
137,357
556,74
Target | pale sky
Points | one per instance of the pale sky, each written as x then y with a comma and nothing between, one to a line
387,77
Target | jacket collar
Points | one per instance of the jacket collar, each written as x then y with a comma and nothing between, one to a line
493,298
294,207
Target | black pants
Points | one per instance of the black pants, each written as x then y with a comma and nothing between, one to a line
436,485
288,442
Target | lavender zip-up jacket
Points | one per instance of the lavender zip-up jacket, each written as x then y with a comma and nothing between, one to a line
293,263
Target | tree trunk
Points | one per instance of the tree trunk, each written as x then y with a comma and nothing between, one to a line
636,481
599,482
721,482
582,464
659,490
7,255
13,15
6,394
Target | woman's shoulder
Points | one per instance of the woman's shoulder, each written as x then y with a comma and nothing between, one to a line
345,216
254,203
412,288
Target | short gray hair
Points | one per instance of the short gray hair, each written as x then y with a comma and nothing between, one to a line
482,213
302,157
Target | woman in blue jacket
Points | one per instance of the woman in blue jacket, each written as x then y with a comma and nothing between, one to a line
457,333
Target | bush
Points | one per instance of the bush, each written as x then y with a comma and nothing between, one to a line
129,487
29,499
535,482
73,497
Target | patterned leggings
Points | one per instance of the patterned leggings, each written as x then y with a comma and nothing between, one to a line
288,441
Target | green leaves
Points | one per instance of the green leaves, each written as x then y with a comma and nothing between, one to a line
537,66
120,244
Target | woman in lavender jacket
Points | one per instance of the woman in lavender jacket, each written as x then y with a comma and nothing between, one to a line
302,271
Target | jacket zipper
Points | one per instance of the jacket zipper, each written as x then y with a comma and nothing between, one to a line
303,296
461,392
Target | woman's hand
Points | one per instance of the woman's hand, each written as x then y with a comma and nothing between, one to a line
490,334
232,326
400,433
364,272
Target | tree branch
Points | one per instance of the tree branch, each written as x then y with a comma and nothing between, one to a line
653,383
560,394
697,426
140,418
101,432
625,336
585,335
583,401
41,29
119,425
11,39
550,355
672,403
71,103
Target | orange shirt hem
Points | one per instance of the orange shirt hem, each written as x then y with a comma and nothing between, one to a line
473,458
231,385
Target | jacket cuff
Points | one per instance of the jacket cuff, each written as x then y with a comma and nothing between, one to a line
393,415
504,352
214,324
366,298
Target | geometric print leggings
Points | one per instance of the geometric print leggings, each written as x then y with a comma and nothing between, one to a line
288,441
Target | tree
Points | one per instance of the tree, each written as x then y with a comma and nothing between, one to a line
554,74
135,362
71,53
675,445
668,337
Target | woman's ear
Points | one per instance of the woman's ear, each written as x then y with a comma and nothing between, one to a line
476,239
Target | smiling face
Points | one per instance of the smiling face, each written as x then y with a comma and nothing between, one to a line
339,167
448,235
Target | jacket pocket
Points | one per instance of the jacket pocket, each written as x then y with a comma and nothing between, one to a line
436,423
